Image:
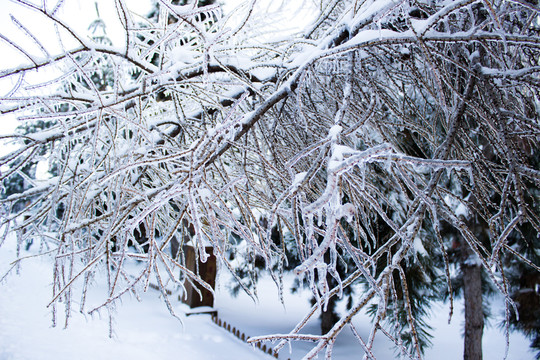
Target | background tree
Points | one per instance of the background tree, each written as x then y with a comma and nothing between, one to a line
361,123
524,278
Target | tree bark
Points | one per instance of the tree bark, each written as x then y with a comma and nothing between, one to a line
474,314
329,317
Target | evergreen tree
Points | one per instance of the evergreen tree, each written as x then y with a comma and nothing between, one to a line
521,268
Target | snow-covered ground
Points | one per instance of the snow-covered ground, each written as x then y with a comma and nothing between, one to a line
269,316
145,330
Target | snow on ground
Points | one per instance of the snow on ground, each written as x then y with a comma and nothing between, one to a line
269,316
145,330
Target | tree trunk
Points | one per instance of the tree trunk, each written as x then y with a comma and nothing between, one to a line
474,314
329,317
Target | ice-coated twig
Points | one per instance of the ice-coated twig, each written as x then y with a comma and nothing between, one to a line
356,141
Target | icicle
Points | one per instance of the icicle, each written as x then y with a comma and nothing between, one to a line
320,217
363,176
313,286
323,284
309,228
280,283
333,271
471,177
53,315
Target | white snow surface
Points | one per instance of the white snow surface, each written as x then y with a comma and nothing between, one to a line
145,330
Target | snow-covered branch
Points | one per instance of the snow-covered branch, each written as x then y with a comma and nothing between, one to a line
358,140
